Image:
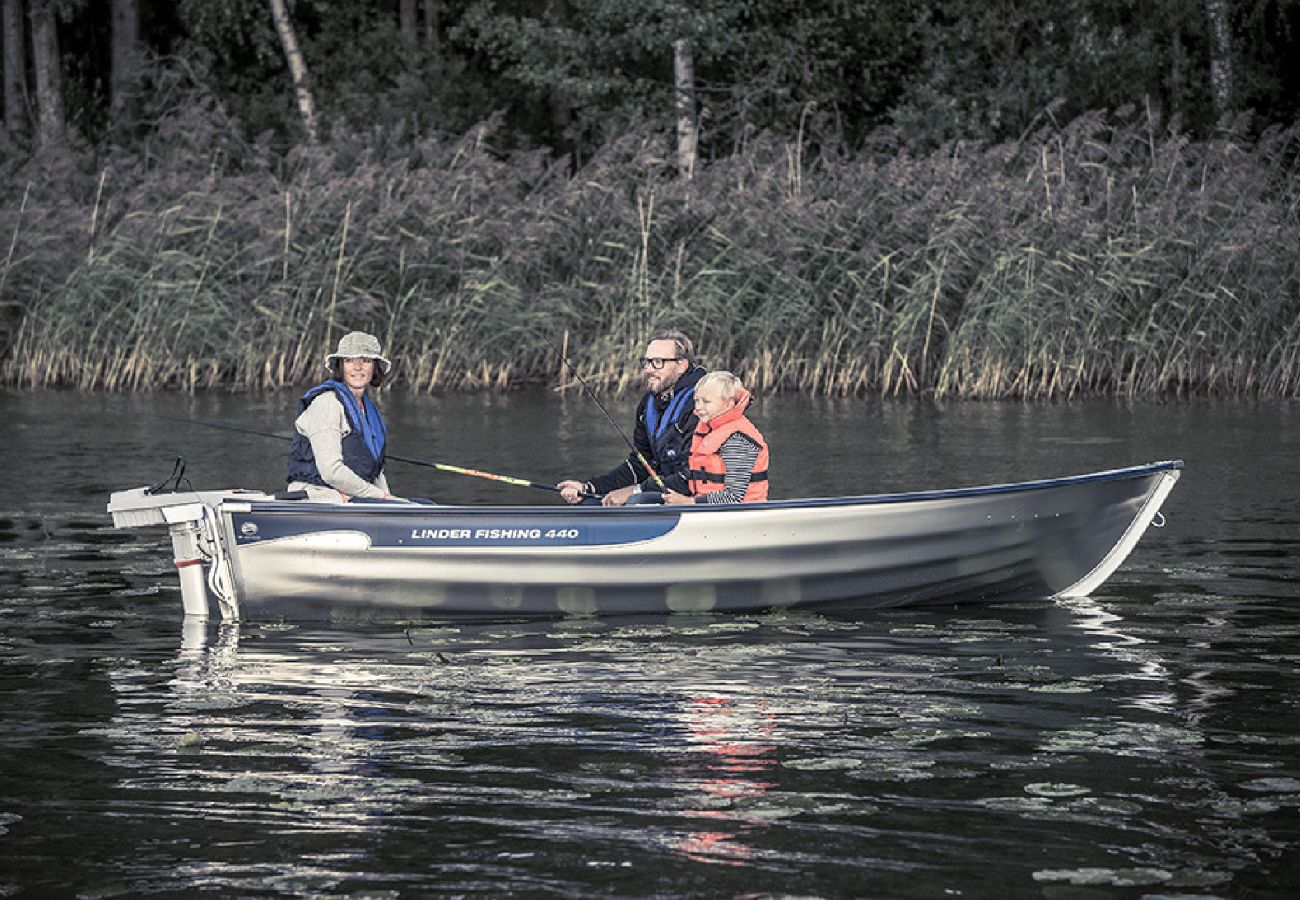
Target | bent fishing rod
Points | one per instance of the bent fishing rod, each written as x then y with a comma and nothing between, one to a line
441,467
621,433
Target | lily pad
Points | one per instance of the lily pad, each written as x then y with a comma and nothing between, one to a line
1099,876
1048,789
1280,785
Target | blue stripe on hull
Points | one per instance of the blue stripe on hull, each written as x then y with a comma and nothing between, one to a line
433,529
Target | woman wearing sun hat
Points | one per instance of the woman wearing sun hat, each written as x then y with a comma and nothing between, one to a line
338,445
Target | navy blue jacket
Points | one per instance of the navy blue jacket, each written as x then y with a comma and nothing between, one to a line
668,447
366,458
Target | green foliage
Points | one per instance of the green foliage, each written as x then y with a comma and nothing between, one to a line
231,46
609,62
990,71
847,60
367,79
571,74
1267,32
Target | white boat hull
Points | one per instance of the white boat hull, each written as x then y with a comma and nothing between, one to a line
299,560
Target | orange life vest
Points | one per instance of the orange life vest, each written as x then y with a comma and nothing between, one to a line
708,471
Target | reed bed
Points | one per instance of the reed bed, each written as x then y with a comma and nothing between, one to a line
1111,256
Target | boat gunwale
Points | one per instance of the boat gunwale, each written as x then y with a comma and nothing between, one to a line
233,504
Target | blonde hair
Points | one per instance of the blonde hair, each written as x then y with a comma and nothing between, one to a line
728,385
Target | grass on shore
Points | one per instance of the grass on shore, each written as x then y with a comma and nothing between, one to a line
1110,256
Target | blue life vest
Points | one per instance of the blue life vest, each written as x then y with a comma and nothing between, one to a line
670,431
664,430
363,448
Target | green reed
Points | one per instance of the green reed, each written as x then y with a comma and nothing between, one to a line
1111,256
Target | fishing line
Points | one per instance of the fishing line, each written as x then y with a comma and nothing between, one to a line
441,467
621,433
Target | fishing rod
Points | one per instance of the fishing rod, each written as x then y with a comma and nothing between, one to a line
441,467
621,433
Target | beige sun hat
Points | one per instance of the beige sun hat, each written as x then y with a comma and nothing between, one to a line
358,343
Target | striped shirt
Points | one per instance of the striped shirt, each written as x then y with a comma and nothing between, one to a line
739,453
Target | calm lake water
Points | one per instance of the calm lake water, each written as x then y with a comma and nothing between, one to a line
1144,742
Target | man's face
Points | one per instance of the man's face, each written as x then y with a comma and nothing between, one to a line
671,367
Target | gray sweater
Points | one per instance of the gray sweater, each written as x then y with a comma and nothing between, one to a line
325,424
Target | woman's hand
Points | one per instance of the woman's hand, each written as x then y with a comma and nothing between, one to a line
677,499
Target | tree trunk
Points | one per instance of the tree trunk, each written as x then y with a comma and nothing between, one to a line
684,101
1177,78
125,56
297,68
15,68
1216,11
431,26
49,84
561,119
408,22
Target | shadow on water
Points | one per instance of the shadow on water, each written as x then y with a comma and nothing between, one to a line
1140,742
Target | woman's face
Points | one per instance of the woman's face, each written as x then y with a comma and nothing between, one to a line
709,402
357,372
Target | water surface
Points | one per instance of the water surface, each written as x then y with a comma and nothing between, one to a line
1142,742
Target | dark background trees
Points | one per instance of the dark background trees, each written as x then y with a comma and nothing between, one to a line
569,74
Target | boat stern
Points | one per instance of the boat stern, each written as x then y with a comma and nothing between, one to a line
191,517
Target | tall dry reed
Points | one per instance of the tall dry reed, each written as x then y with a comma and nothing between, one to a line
1110,256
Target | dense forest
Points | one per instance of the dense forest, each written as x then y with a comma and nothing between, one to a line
979,199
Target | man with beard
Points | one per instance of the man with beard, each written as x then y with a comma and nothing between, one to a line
665,424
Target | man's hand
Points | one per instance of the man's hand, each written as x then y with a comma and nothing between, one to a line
571,491
618,497
675,499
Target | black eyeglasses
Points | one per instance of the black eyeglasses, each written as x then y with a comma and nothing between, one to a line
657,362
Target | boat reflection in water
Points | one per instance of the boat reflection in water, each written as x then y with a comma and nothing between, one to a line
745,743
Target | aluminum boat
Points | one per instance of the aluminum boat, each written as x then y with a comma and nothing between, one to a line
248,555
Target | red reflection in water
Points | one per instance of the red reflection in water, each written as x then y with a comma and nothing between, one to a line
734,736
